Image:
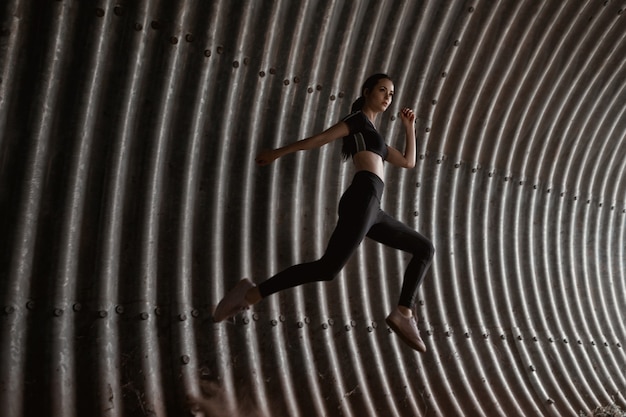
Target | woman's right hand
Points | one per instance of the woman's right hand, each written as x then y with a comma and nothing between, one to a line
266,157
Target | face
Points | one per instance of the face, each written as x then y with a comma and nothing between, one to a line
380,97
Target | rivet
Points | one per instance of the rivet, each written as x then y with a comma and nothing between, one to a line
352,323
503,337
332,97
490,174
588,201
456,42
506,178
341,94
471,10
207,53
182,317
422,156
286,82
374,325
532,368
236,64
600,205
550,401
158,311
548,191
195,313
185,359
427,130
189,37
77,307
457,165
519,337
119,309
310,90
593,343
324,326
474,169
521,183
274,322
428,332
307,320
31,305
575,197
438,161
467,335
9,310
551,340
535,339
99,12
535,186
138,27
118,10
485,335
370,329
416,213
255,317
444,74
606,344
281,318
155,25
565,341
347,327
580,342
261,74
448,334
619,345
272,71
319,87
296,80
58,312
246,320
620,11
102,314
300,325
434,102
144,316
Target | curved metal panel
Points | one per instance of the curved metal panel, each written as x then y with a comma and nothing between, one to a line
130,203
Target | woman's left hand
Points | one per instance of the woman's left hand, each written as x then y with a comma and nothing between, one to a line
408,117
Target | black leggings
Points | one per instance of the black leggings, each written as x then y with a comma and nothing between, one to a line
360,215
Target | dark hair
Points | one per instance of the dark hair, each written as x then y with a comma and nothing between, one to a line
369,84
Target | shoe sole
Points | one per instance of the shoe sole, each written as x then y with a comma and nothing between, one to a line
397,331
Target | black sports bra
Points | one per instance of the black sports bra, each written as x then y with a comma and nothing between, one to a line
363,137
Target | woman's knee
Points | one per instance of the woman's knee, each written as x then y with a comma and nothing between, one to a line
425,250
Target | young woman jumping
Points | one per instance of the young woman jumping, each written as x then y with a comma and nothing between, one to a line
360,214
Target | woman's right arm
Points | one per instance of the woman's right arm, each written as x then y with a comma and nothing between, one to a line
334,132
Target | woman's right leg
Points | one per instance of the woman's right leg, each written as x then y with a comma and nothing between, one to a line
357,212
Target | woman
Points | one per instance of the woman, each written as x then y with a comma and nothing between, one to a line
360,214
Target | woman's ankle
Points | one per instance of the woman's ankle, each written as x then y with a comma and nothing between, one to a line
253,296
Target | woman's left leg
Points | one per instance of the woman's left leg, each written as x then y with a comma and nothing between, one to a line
397,235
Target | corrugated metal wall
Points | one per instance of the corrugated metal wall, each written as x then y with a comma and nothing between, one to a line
130,202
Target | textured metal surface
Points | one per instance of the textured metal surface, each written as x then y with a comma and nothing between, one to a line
130,203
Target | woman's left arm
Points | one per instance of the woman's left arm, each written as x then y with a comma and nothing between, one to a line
406,159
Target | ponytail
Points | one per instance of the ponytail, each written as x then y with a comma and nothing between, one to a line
358,104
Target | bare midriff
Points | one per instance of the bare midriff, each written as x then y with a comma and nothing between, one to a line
368,161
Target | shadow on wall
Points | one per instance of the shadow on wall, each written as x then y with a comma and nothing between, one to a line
214,403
